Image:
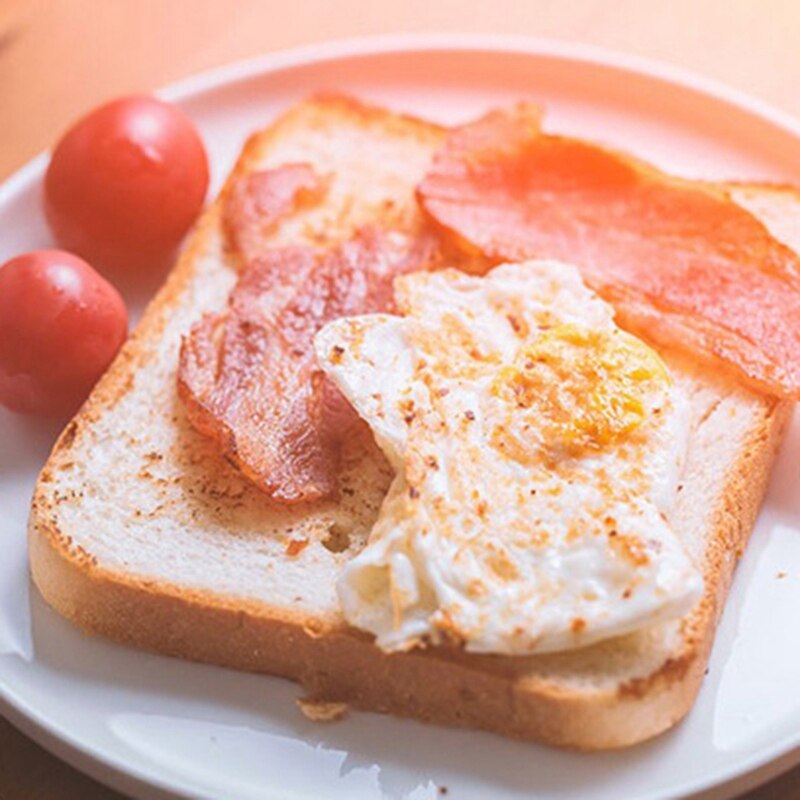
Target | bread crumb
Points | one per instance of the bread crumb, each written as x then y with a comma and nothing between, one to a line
321,711
296,546
780,575
313,629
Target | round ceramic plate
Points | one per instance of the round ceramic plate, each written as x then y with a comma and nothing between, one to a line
154,727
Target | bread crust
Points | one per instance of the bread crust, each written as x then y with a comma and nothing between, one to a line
336,663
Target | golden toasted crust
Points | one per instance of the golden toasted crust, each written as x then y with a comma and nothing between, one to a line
338,664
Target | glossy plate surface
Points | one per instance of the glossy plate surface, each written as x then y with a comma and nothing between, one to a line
155,727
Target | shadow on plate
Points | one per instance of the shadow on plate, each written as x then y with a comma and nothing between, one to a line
409,755
26,441
783,494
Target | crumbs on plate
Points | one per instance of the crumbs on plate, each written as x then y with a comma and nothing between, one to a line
321,711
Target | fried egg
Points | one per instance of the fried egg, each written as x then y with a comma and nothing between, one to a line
537,449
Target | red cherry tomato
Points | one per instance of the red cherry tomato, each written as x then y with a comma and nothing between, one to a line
61,324
125,183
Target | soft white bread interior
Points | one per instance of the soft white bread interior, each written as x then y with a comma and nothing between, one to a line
141,532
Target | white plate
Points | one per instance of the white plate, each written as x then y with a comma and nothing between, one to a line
156,727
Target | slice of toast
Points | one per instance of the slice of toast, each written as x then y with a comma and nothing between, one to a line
141,532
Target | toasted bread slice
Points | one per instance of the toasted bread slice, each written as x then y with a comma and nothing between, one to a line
141,532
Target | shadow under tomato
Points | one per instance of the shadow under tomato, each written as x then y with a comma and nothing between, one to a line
26,440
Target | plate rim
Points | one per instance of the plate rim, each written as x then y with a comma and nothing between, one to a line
111,770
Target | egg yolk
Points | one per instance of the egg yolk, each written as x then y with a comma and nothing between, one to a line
584,389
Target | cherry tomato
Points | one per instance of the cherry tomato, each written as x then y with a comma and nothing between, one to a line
125,183
61,324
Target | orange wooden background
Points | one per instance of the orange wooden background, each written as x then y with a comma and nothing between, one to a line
60,57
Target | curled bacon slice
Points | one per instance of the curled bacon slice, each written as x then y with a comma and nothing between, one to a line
684,265
258,201
249,378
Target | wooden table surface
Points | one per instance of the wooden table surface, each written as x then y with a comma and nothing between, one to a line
60,57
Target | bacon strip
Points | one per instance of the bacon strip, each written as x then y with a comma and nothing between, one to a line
258,201
684,265
249,378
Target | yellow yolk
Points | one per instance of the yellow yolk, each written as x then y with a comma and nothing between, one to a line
585,389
